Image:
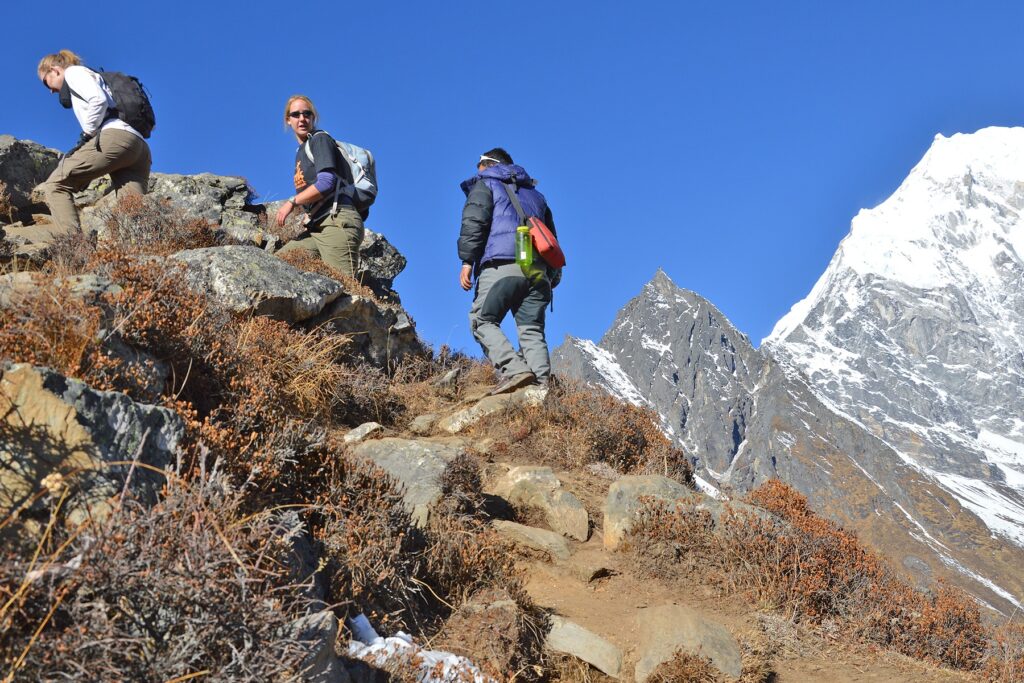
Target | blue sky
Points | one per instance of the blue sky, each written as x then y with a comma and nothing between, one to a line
729,143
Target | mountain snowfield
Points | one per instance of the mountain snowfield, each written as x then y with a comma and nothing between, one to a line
892,396
916,328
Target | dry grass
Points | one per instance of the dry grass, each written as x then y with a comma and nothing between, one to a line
810,569
157,593
685,667
7,209
311,263
578,426
144,224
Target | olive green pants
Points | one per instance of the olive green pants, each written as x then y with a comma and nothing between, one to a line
123,155
336,240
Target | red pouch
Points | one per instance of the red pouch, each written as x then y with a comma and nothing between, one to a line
545,243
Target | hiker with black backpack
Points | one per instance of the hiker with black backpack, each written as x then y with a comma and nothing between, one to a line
501,207
335,184
116,117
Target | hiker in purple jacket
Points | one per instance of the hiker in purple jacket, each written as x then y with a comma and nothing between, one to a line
487,250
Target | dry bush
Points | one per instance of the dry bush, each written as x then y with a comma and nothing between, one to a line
464,555
498,634
686,667
563,668
145,224
811,569
579,425
156,594
1004,661
416,380
373,550
311,263
71,253
462,487
52,327
7,209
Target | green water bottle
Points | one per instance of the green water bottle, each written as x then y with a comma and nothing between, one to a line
524,248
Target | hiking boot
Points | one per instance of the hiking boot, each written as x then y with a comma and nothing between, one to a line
509,384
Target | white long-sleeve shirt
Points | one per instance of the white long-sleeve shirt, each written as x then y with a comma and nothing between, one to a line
92,101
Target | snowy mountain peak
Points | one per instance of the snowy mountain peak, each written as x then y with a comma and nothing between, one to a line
954,222
916,328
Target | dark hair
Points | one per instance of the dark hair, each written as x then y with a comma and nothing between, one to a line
497,153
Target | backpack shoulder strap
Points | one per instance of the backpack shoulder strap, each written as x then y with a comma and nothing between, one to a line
515,201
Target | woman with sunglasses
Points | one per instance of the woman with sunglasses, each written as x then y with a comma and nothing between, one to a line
334,229
108,144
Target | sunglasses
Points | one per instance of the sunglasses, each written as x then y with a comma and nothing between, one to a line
305,112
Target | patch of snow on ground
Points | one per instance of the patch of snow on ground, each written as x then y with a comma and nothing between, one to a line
707,488
660,348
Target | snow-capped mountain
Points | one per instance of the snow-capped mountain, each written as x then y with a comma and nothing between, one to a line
916,328
891,396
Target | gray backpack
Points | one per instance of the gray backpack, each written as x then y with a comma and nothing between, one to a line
363,190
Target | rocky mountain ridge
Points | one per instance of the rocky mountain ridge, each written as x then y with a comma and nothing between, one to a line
845,413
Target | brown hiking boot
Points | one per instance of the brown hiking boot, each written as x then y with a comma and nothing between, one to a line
509,384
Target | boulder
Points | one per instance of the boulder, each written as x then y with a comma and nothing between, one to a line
570,638
248,280
379,264
538,486
623,502
222,200
541,540
416,464
23,165
362,431
423,424
489,405
664,630
58,432
381,333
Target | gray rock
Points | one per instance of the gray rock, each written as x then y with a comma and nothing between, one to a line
423,424
572,639
416,464
666,629
23,165
222,200
58,431
489,405
541,540
246,279
382,333
539,487
321,665
380,263
362,431
623,502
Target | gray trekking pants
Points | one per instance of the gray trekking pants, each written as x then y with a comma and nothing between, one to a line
502,289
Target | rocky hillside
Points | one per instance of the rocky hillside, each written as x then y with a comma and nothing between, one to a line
221,465
883,395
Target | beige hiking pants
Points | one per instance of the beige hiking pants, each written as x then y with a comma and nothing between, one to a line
336,240
123,155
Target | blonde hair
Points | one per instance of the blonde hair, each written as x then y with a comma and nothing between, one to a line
288,105
63,59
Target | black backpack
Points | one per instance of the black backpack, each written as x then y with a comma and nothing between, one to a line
133,105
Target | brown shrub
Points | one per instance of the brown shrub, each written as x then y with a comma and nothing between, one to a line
71,253
578,425
145,224
812,569
7,209
311,263
1004,661
156,594
462,488
685,667
50,326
